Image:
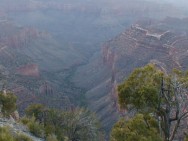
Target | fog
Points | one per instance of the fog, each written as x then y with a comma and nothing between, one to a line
179,3
65,38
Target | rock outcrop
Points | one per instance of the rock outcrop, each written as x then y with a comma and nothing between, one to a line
29,70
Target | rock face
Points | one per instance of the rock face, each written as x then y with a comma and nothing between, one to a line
29,70
161,43
15,115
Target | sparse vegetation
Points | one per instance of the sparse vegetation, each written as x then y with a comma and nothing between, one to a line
6,135
53,125
78,124
22,137
51,137
8,102
36,128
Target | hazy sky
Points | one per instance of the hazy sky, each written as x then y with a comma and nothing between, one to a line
176,2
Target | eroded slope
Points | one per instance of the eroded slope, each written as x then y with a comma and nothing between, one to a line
161,43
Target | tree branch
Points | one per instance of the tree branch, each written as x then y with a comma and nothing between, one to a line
177,125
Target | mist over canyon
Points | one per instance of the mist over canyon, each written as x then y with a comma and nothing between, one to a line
69,53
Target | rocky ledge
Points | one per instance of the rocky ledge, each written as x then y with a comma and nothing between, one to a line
17,128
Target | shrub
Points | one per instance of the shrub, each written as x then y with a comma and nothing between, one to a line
36,128
35,110
22,137
5,134
78,124
51,137
25,120
8,102
50,129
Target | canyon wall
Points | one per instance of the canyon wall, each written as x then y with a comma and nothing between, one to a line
158,43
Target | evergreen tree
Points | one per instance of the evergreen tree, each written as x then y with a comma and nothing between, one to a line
139,128
150,91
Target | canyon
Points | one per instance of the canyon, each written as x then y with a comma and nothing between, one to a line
66,54
163,43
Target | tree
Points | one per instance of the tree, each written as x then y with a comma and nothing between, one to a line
149,90
140,128
141,89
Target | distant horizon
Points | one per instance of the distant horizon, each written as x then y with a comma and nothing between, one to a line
176,2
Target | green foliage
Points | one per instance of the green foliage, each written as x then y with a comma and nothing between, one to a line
50,129
78,124
186,138
51,137
35,110
149,91
36,128
25,120
140,128
22,137
8,102
5,134
141,89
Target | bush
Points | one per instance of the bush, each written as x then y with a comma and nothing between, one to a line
8,102
35,110
50,129
5,134
36,128
78,124
25,120
51,137
22,137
